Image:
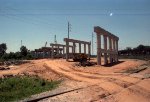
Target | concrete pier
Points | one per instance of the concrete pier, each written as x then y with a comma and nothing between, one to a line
112,51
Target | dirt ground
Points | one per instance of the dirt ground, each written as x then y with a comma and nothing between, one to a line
93,83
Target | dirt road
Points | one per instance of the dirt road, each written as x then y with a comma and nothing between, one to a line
91,84
106,87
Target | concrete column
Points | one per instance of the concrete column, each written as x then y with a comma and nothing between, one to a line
89,50
79,47
110,49
57,51
117,49
105,48
43,54
52,54
67,50
114,49
35,54
49,54
117,45
60,53
85,48
74,47
39,55
63,49
115,55
114,44
98,49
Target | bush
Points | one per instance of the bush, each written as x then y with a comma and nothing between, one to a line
5,57
29,57
15,56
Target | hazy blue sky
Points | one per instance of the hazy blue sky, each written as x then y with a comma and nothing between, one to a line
37,21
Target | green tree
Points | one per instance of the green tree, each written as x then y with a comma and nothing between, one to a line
3,48
128,50
5,57
141,49
18,55
23,50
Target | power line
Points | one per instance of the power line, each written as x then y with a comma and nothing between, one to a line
132,11
91,9
78,14
17,15
25,20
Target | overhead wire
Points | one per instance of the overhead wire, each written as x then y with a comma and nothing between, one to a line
24,19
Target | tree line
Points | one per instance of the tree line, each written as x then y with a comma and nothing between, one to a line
139,50
24,53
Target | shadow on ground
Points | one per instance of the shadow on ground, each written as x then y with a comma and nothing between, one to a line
112,64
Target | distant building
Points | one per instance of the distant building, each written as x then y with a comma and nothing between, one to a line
45,52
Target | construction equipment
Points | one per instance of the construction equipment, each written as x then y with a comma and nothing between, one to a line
82,58
79,57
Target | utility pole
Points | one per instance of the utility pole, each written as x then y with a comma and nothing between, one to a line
69,29
21,42
55,41
92,42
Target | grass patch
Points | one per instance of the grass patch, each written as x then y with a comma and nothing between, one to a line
19,87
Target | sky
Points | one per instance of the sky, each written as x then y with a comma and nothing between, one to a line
37,21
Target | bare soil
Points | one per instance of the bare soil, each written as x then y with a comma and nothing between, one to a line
94,83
